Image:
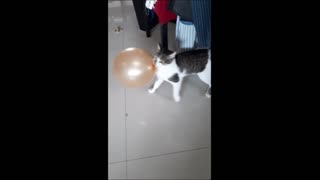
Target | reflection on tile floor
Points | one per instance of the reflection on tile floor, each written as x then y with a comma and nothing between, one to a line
159,139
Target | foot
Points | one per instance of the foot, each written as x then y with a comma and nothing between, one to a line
208,93
151,91
176,98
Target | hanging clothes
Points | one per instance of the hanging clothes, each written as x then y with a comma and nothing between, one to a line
185,35
149,11
164,15
185,30
145,17
181,8
201,16
150,4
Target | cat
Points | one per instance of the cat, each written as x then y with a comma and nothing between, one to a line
175,66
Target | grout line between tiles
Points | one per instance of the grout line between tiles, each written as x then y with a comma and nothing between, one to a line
125,92
117,162
125,124
168,154
127,160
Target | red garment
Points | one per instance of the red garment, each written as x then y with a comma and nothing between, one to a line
164,15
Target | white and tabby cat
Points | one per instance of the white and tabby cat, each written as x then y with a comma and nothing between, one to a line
174,67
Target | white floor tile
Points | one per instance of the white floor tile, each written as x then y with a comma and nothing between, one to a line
116,119
158,125
116,125
117,171
186,165
116,101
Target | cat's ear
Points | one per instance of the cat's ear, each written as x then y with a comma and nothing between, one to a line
159,47
172,55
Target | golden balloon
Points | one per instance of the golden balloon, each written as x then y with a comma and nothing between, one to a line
134,67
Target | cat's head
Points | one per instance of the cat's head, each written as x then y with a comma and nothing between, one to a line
163,58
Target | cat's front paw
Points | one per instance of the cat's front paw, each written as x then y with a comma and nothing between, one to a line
151,91
176,98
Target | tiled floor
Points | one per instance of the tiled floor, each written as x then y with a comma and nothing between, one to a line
159,138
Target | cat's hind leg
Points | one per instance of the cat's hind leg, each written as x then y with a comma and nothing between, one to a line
205,76
176,82
206,80
208,93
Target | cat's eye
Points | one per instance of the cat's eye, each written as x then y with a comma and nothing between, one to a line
162,62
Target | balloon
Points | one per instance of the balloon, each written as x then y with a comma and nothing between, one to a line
134,67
